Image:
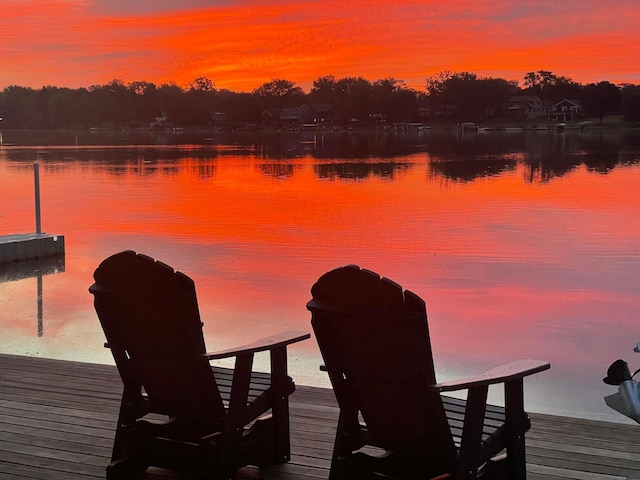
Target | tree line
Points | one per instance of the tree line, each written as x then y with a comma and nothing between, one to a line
447,97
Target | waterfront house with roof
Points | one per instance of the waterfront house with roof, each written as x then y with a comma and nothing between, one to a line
524,107
565,110
298,115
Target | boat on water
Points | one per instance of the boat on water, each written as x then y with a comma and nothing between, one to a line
468,127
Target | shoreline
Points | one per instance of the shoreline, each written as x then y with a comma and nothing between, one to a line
424,128
612,122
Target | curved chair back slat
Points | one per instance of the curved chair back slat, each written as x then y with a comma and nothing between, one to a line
375,343
150,317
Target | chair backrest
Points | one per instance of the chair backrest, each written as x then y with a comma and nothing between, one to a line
375,343
150,317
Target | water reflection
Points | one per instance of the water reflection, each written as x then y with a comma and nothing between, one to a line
523,245
547,154
359,170
465,169
36,267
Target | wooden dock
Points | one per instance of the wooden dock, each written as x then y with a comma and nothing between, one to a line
57,422
29,246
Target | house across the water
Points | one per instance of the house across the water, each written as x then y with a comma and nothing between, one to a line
566,110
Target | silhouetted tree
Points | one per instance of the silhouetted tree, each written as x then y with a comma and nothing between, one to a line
19,107
601,99
238,107
630,97
60,107
632,110
202,84
323,90
435,87
493,94
279,93
171,103
353,98
199,102
549,86
435,84
382,93
536,82
394,100
112,102
145,101
467,97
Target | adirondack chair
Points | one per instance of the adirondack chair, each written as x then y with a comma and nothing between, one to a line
394,420
177,411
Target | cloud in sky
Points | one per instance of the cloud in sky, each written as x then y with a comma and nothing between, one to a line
240,44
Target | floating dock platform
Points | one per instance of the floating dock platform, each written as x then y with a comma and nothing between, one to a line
29,246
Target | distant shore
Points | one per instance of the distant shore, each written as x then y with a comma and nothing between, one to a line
612,122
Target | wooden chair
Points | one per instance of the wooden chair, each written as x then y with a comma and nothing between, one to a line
374,340
178,412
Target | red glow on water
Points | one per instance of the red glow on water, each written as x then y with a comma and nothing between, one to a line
513,268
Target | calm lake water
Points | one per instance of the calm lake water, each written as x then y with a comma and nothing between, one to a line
524,245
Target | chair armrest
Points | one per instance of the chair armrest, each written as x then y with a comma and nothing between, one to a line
502,374
269,343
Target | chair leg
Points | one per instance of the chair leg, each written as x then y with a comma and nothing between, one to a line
126,459
346,441
517,425
282,442
338,462
496,468
338,469
472,433
129,413
120,447
125,469
280,409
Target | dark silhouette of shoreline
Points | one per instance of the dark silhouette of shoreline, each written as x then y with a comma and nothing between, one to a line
449,99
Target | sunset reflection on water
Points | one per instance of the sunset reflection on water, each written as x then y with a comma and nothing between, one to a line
511,264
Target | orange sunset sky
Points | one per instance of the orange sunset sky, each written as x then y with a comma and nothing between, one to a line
240,44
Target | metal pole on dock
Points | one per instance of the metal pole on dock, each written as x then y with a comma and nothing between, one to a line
36,181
